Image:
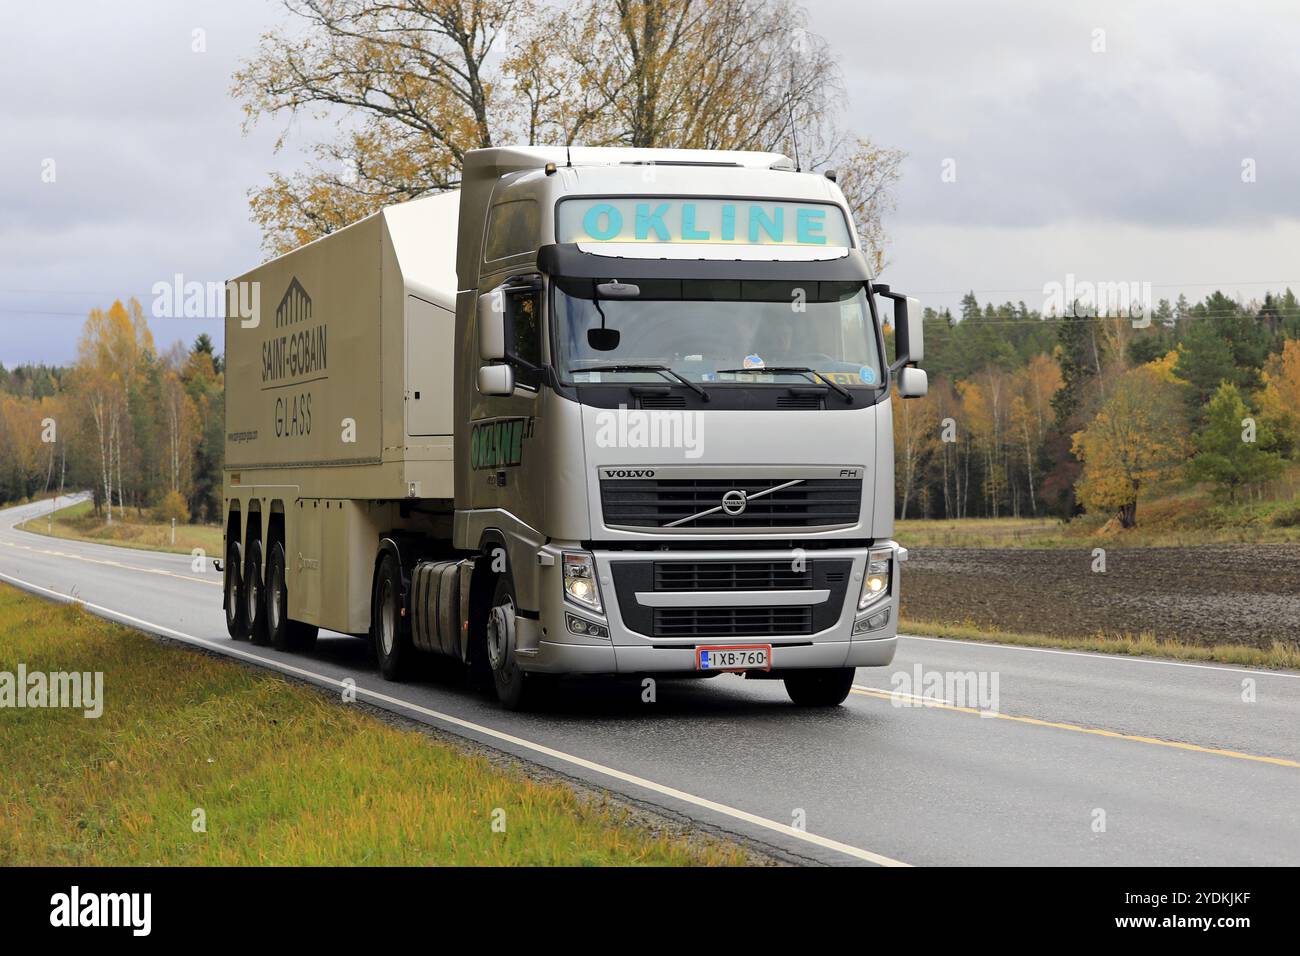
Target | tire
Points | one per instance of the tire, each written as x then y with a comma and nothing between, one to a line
388,629
820,688
236,625
285,634
516,689
254,605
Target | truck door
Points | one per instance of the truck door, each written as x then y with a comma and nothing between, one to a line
430,332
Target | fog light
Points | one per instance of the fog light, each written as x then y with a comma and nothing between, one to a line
585,628
873,623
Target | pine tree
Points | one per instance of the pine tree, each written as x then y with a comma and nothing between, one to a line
1230,448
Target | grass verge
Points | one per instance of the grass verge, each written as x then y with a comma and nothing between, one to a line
283,774
128,530
1279,656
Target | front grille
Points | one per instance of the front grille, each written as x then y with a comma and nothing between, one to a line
731,576
745,620
654,502
728,622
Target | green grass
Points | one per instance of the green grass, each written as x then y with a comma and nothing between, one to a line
1279,656
128,530
285,774
978,532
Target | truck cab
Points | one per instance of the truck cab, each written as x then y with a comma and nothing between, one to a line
679,422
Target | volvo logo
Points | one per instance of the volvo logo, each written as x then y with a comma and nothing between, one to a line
734,503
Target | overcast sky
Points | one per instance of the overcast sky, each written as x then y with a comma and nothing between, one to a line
1123,163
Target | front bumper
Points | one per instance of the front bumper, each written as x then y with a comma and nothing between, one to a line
552,648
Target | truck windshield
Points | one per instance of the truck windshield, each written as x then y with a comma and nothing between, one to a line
715,331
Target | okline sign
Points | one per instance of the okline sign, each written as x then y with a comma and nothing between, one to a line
723,221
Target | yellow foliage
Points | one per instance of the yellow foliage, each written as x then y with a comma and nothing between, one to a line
1137,438
1279,399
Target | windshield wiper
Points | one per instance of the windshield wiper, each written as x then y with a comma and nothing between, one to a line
661,369
808,373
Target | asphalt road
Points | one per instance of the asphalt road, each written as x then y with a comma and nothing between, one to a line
1090,760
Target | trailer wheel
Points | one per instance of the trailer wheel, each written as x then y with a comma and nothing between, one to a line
285,634
820,688
516,689
254,605
235,624
387,625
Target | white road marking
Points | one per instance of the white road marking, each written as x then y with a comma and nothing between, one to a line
111,564
1106,657
224,647
899,693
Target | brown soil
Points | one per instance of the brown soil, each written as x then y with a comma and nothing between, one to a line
1241,594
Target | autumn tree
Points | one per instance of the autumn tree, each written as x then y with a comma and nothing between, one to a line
1031,413
112,352
418,83
916,437
1136,440
1279,399
985,406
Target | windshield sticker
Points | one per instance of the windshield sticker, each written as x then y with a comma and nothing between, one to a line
867,374
717,221
754,361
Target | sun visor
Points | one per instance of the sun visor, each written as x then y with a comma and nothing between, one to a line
574,260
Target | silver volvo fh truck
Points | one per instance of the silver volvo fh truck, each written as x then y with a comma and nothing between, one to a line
601,412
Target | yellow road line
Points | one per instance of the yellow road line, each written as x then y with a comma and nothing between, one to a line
1095,731
111,564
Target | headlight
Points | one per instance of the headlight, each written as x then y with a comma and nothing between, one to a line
580,583
875,583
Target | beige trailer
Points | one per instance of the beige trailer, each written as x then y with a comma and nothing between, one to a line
339,408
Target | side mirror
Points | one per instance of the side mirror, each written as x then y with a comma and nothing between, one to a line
492,326
909,336
915,333
913,382
497,380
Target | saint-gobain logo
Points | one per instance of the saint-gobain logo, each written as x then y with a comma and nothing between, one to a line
627,473
295,305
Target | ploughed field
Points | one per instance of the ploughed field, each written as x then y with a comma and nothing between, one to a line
1239,594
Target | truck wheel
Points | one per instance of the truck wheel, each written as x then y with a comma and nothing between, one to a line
285,634
387,625
516,689
235,624
820,688
254,605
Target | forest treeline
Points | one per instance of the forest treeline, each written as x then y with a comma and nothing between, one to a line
142,429
1036,415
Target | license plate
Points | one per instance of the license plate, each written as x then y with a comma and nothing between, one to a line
734,657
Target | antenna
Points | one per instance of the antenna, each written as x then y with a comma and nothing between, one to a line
794,135
568,157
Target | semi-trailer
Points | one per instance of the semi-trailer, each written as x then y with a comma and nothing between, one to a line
600,411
